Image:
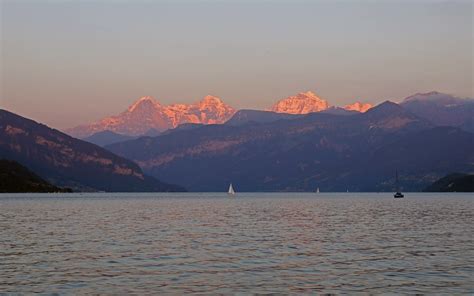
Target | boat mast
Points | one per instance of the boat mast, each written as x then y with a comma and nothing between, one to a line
397,188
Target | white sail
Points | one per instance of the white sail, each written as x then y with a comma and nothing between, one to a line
317,190
231,189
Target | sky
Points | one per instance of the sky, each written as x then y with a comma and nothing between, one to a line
66,63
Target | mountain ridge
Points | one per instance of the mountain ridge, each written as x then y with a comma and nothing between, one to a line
442,109
106,137
68,162
147,113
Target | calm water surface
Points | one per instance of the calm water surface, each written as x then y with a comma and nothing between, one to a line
259,243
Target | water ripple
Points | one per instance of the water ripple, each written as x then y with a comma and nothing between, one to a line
256,243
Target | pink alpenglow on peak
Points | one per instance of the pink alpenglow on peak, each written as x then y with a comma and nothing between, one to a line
211,100
210,110
214,110
358,106
147,113
301,103
144,101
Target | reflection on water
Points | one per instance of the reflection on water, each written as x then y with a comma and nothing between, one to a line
208,243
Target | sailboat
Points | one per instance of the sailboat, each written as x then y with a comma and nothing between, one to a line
317,190
231,190
398,194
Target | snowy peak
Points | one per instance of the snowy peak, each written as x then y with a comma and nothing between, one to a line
143,103
302,103
209,110
358,106
210,101
214,110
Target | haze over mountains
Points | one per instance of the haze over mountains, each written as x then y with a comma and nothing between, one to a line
148,114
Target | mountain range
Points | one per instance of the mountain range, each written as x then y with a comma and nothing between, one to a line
68,162
148,114
339,151
424,137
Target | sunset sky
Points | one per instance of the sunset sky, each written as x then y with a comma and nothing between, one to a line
69,62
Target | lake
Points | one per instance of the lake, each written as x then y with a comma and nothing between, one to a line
254,243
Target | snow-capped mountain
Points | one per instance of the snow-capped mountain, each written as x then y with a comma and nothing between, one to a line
301,103
147,113
358,106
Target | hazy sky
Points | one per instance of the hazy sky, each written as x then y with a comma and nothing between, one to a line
70,62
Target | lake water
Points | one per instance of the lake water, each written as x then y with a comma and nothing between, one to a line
258,243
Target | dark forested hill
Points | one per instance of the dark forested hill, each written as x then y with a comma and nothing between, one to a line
453,183
16,178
